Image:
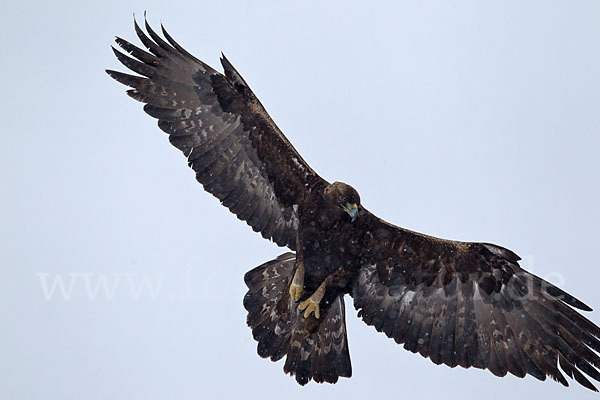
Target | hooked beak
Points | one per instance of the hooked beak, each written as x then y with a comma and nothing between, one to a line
351,209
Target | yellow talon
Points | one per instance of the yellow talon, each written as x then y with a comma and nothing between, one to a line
296,291
309,306
297,285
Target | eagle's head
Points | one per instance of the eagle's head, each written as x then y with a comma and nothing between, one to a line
345,196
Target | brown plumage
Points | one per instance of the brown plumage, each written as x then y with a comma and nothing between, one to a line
458,303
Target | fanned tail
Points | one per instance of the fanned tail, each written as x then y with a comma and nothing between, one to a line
316,348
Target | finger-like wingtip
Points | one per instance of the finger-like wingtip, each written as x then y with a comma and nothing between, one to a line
150,45
157,39
147,24
136,51
170,39
136,26
113,74
133,64
183,51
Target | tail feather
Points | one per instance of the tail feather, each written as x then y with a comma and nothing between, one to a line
316,349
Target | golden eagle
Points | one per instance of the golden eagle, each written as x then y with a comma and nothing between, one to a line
458,303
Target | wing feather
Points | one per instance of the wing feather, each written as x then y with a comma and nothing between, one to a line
471,304
238,153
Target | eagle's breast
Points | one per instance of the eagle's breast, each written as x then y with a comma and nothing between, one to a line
328,241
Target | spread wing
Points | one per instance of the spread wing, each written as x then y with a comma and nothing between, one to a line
238,153
471,304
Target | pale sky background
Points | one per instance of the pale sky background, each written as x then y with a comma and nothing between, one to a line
468,120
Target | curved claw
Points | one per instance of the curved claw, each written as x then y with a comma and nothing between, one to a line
310,306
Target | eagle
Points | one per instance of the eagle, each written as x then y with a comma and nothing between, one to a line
457,303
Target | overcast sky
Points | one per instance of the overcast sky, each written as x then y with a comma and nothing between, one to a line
467,120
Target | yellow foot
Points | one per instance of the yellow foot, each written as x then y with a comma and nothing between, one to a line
296,291
309,306
297,285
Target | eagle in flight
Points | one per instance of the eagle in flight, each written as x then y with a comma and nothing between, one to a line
458,303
